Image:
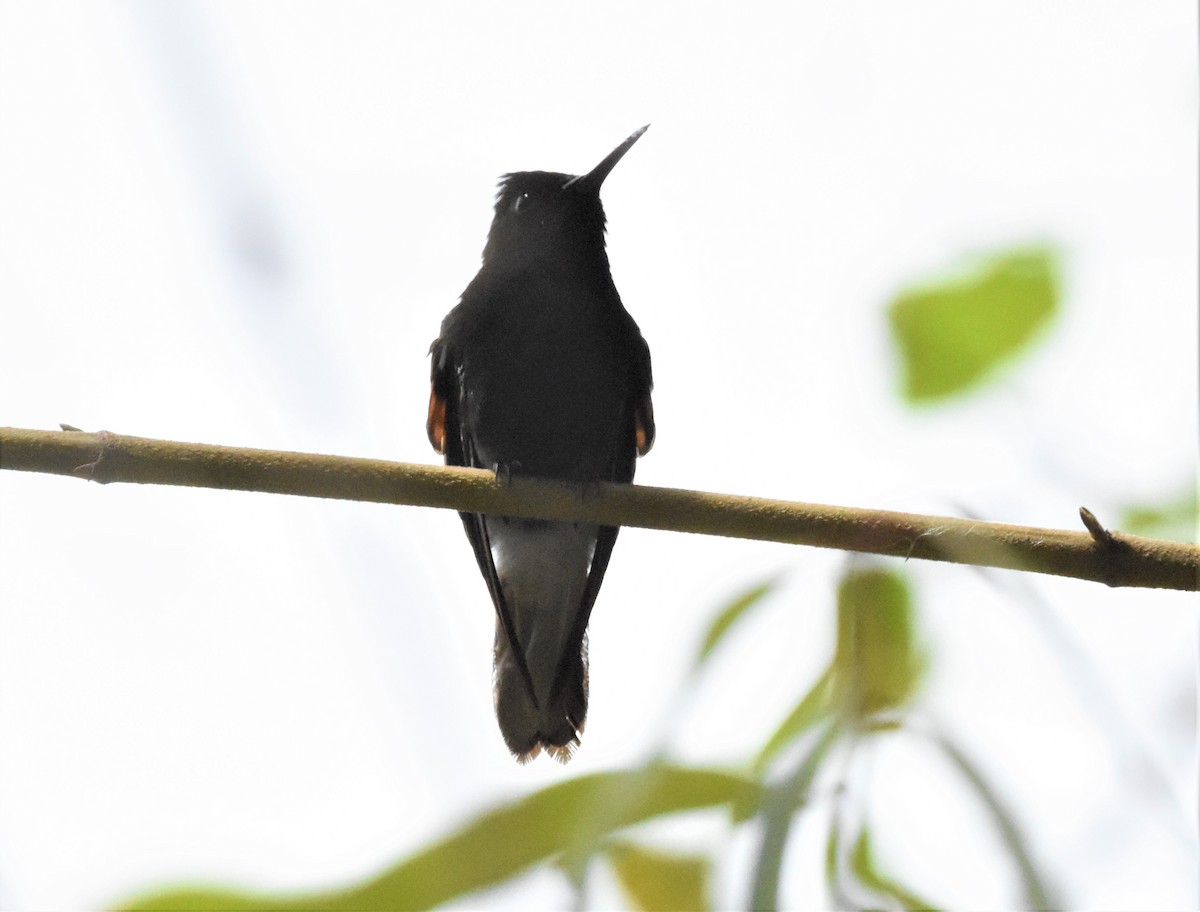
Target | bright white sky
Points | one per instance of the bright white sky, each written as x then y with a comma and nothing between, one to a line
241,223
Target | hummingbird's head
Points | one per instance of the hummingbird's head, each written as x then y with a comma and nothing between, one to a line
546,215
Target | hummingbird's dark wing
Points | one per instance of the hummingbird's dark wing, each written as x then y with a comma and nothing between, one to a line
446,434
635,440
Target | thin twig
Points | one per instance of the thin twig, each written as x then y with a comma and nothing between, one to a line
1113,558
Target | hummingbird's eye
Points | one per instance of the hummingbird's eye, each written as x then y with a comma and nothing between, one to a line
520,202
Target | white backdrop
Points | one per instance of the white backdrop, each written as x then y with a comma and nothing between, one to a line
241,223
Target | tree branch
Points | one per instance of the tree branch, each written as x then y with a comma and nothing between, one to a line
1112,558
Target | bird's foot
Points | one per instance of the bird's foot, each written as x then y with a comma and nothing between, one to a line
504,477
504,472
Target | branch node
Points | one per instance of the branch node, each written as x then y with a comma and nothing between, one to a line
1100,534
1110,551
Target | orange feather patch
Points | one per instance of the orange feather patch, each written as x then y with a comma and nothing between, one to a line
644,423
435,424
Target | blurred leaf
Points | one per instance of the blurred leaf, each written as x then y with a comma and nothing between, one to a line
659,880
865,868
201,899
1037,893
876,665
572,816
779,809
729,616
1177,519
576,868
812,707
832,874
951,333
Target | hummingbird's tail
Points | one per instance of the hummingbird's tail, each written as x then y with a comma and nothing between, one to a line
543,572
557,723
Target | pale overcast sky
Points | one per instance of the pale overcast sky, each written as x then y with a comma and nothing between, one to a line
242,223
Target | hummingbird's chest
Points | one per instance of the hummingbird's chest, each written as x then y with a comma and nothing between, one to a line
546,374
548,328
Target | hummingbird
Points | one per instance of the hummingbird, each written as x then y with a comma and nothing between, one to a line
539,370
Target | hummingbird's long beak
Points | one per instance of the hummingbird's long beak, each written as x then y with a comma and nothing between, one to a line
594,178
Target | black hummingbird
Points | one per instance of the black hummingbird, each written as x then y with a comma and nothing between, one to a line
539,370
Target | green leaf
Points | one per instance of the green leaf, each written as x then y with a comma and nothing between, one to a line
660,880
876,664
952,332
572,816
813,706
866,869
1177,519
729,615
